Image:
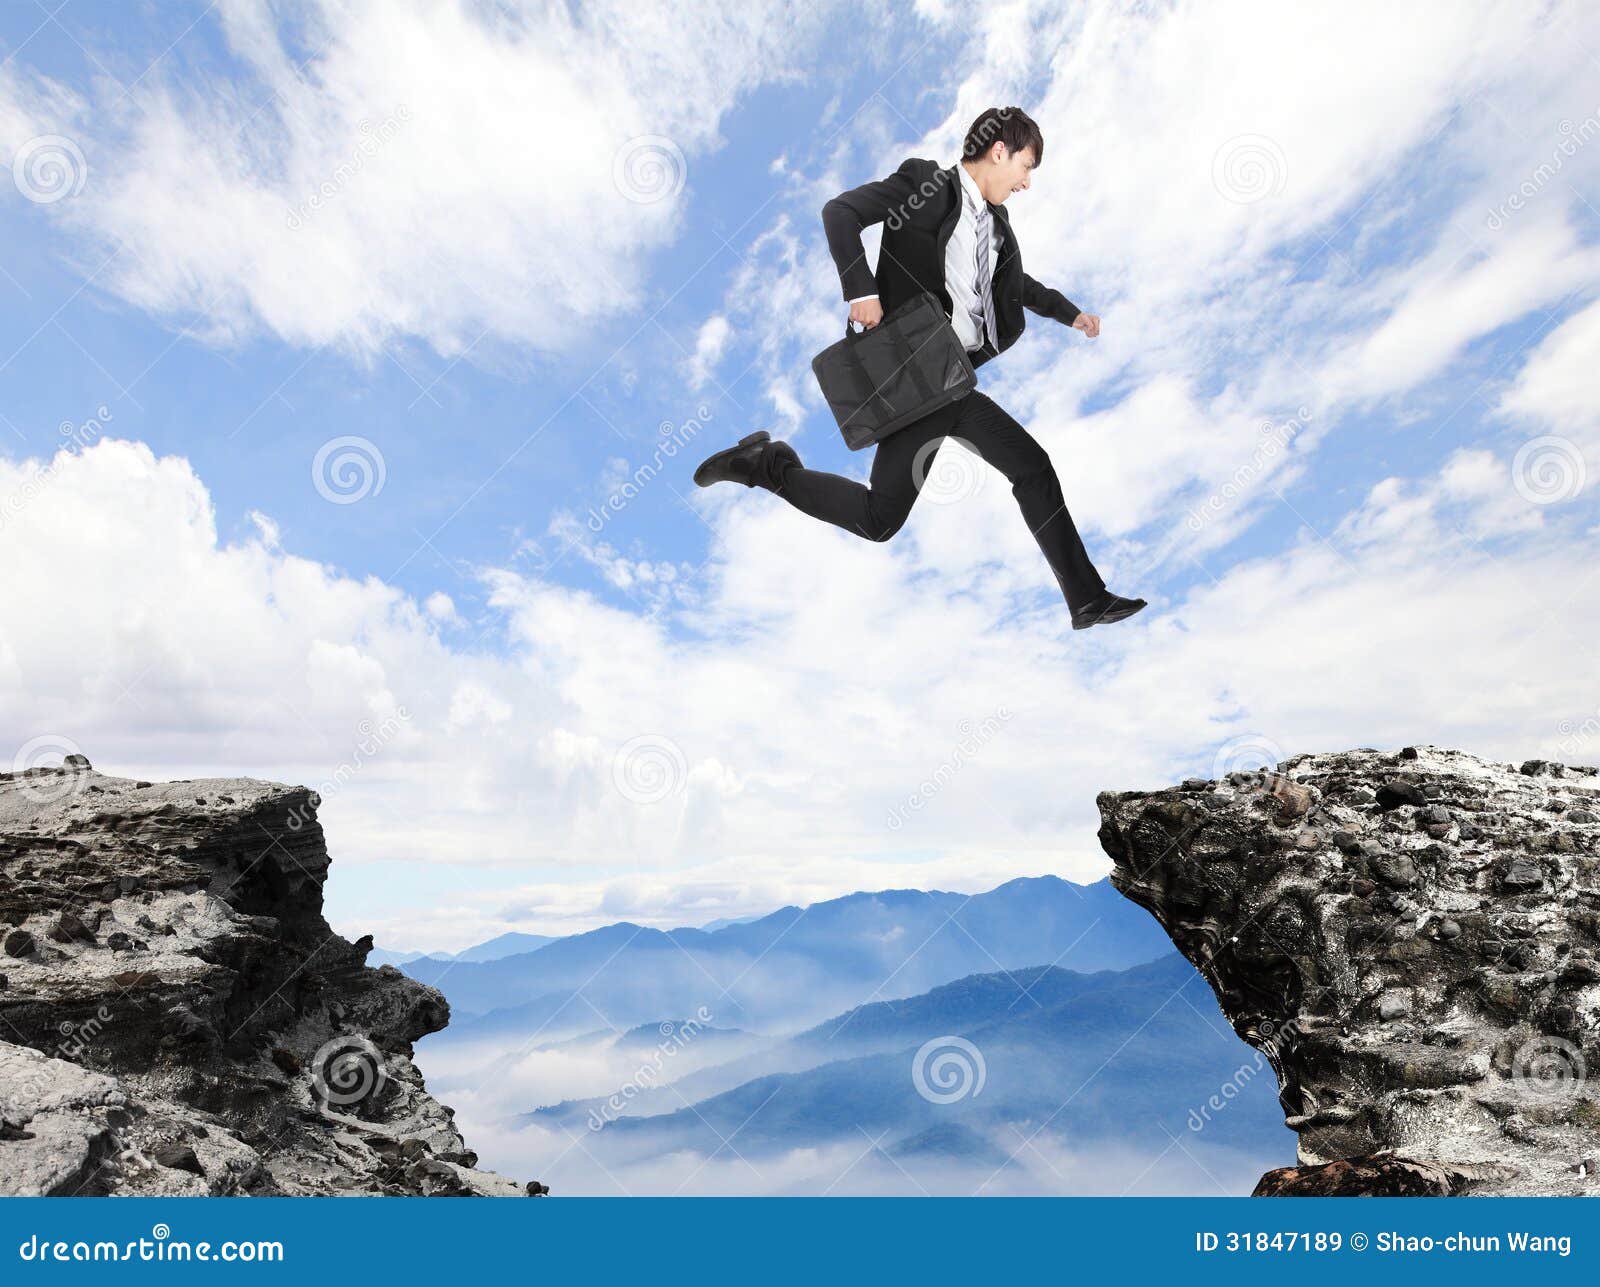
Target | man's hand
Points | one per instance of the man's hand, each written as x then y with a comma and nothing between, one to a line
868,312
1088,323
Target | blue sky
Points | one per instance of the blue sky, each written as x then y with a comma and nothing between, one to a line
1352,324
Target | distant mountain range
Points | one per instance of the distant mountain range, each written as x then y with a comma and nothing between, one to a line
1051,1068
789,969
1113,1056
491,950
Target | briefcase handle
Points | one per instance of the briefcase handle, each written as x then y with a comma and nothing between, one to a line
856,335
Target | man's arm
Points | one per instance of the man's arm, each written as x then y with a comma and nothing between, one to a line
847,214
1047,302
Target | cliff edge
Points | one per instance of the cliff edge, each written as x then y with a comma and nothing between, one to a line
1410,939
176,1016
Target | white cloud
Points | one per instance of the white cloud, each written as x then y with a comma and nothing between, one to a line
1456,297
1258,238
383,171
1556,386
744,736
710,343
764,743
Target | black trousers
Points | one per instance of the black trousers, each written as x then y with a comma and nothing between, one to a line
903,461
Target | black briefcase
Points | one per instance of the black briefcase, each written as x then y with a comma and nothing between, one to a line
883,379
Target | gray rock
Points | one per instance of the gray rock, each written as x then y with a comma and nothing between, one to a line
1394,792
1456,1059
221,1049
1394,869
1521,874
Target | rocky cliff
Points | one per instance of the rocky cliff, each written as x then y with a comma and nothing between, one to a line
176,1016
1410,940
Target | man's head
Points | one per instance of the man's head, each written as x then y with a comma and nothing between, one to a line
1001,150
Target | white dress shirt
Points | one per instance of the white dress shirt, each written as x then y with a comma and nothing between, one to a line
961,264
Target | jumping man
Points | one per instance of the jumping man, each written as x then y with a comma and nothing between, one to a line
945,231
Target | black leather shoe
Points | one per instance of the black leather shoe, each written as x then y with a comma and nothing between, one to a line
754,461
1105,609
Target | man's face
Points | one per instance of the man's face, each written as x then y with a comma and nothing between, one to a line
1010,172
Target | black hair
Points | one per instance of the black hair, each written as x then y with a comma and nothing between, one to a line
1011,126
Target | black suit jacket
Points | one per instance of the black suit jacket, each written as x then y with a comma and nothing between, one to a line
918,206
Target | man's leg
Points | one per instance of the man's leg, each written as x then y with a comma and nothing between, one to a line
1011,449
878,511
